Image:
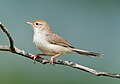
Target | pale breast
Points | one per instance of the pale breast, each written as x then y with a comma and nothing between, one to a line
48,48
40,42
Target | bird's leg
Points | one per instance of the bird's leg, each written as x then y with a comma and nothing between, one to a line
36,56
53,58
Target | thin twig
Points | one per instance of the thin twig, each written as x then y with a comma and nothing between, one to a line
9,37
46,61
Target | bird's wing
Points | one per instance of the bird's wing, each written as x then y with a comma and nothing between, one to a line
57,40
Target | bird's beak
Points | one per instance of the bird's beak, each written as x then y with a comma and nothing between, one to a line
29,23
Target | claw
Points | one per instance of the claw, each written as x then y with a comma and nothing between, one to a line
36,56
53,58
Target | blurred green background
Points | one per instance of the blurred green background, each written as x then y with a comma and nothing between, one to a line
88,24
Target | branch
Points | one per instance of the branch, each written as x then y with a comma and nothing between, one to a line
41,60
9,37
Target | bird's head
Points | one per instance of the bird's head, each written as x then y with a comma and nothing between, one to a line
38,24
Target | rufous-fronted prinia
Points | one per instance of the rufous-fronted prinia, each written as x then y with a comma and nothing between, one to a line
52,44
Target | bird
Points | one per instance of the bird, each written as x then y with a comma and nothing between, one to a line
51,44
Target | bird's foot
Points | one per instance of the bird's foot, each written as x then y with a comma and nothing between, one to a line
37,56
53,58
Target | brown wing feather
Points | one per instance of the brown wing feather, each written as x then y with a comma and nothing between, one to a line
57,40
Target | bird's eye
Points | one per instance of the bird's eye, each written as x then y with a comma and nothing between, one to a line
37,24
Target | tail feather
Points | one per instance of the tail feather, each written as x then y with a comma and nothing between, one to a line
87,53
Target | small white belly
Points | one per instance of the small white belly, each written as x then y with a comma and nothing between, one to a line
50,49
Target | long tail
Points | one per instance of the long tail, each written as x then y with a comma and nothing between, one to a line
87,53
